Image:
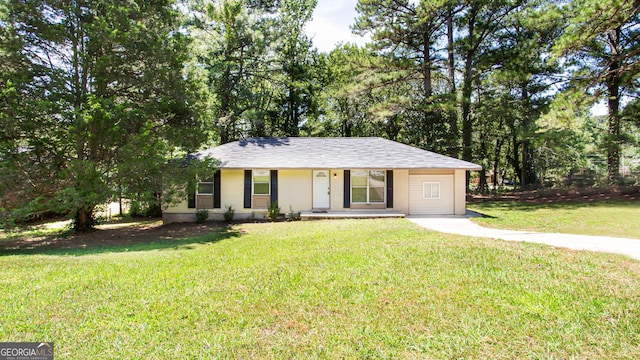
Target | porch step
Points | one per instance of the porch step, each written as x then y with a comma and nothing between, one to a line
310,215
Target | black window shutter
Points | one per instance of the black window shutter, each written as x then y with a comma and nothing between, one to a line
216,190
389,188
247,189
347,189
274,186
192,200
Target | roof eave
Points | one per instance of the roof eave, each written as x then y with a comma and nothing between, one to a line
467,168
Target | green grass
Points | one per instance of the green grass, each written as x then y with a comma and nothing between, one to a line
606,218
325,289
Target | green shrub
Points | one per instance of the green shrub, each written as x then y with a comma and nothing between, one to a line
7,222
135,209
274,211
229,214
202,215
293,215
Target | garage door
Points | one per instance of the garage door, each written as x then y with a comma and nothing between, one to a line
431,195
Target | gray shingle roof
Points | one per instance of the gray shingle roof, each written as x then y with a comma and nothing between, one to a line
328,153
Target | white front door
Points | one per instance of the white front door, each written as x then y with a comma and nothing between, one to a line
321,192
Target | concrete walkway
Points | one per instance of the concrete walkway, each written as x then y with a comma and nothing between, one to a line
463,226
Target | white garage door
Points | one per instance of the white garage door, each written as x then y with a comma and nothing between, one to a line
431,195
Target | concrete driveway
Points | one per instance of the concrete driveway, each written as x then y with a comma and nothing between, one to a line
463,226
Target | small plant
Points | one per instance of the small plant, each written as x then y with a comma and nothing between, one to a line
135,209
274,211
202,215
7,222
229,214
293,215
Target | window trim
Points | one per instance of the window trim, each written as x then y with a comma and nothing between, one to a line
368,187
253,182
431,187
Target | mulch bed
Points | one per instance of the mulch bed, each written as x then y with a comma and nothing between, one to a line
112,234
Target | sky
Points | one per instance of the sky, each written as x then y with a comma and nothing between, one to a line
330,24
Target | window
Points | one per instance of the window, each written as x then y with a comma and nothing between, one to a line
204,194
205,188
368,186
431,190
261,182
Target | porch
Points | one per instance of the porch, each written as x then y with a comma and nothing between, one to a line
360,214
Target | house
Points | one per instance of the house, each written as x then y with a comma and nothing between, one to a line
333,175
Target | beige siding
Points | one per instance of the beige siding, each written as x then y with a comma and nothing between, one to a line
431,172
460,192
295,190
401,190
418,205
232,191
337,189
182,207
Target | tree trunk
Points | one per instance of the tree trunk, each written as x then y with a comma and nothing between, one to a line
155,205
496,161
467,126
120,200
483,186
529,176
426,65
453,114
515,158
613,92
225,121
83,220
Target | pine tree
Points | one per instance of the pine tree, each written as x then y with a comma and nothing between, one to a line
601,37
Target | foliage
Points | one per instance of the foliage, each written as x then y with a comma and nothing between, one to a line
229,213
325,289
600,42
345,106
101,101
502,53
202,215
413,99
273,212
135,209
262,73
6,222
293,215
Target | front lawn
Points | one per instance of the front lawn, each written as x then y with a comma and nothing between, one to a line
606,218
323,289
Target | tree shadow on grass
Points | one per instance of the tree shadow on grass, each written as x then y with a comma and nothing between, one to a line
121,237
565,205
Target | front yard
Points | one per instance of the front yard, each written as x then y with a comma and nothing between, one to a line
617,218
328,289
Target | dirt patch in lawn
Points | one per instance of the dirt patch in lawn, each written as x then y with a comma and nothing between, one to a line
563,195
113,234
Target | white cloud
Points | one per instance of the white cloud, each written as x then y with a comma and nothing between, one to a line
331,24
